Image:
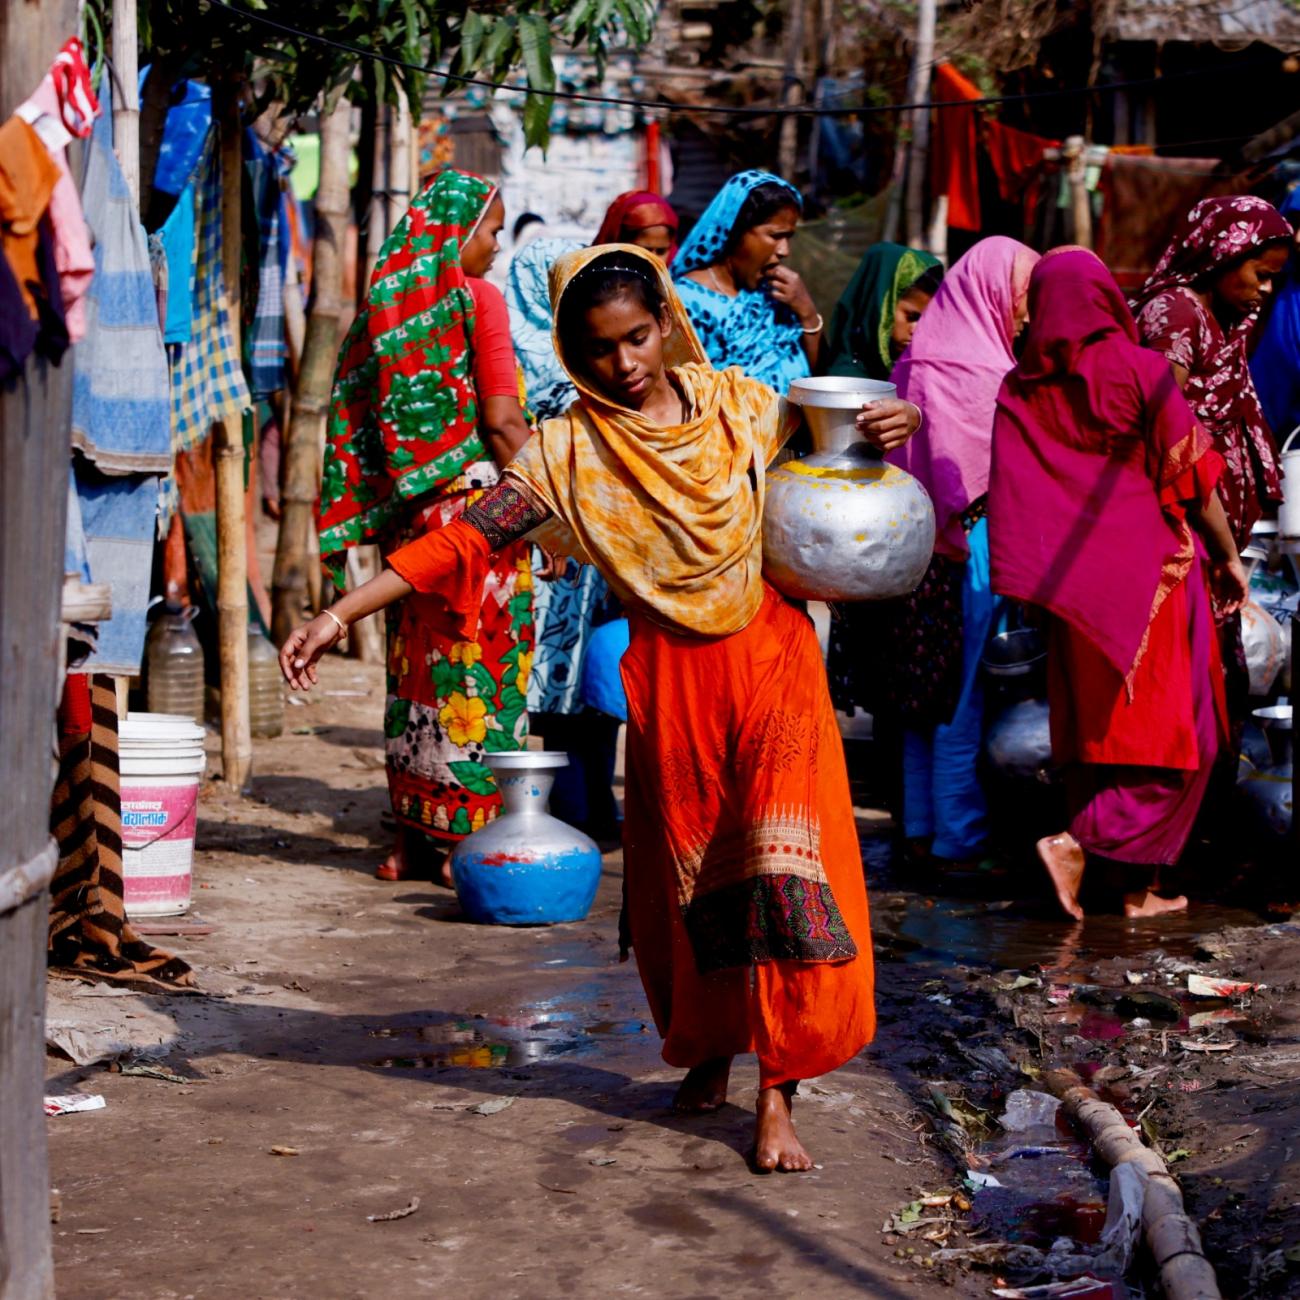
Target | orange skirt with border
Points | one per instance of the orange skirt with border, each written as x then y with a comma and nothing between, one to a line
746,897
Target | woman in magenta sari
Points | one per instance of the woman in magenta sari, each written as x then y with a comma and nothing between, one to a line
1103,507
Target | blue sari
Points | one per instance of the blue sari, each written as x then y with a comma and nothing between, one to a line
528,299
753,331
1275,366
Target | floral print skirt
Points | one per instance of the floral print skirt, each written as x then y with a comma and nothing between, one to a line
450,703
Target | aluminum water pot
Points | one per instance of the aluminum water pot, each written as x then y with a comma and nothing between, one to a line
526,867
841,524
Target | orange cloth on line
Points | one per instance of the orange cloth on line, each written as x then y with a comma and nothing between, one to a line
954,164
671,515
28,176
1016,156
449,566
739,833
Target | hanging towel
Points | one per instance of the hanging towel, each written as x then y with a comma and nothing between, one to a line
120,395
207,377
266,345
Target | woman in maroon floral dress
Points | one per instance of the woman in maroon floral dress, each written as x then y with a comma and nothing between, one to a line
1198,308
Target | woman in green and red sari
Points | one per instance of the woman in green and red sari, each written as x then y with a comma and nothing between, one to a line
425,410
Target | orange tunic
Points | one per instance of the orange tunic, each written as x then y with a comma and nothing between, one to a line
740,847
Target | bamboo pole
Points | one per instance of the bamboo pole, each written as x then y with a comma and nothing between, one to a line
228,456
304,434
400,131
1075,153
1185,1273
126,95
919,153
377,208
791,89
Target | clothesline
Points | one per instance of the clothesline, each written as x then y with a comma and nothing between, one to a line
727,110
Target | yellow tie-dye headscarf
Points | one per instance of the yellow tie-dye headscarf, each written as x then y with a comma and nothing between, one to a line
671,515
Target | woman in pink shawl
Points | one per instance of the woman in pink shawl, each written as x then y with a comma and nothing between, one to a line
1102,507
958,357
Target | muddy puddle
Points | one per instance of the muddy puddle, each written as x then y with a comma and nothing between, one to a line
498,1042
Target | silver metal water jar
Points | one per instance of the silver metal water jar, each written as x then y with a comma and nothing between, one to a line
841,524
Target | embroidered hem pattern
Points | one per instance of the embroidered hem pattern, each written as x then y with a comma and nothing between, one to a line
761,894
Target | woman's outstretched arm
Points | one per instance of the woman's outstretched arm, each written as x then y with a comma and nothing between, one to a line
1227,575
450,562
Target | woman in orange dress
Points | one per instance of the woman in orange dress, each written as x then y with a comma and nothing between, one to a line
747,906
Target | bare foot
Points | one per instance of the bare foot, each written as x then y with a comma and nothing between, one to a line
395,865
415,858
1137,906
705,1087
776,1144
1065,861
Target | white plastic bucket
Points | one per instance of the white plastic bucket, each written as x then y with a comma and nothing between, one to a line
162,761
1288,513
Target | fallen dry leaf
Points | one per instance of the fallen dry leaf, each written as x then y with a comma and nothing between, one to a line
284,1151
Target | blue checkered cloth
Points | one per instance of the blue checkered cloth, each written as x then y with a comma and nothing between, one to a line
207,378
266,351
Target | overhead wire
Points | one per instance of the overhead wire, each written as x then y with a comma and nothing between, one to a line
728,110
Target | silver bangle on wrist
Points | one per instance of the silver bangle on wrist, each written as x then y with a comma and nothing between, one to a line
816,329
342,626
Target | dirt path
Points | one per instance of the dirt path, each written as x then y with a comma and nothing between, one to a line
508,1079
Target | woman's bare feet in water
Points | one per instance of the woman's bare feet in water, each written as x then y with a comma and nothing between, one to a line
776,1144
401,865
1064,859
704,1089
1145,904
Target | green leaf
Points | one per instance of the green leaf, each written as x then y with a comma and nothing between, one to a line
537,121
477,778
499,742
472,31
483,679
498,41
634,21
535,45
512,699
576,17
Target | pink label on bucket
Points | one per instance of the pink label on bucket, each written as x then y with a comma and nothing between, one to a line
158,823
156,812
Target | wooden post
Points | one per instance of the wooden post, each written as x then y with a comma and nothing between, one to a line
304,435
919,154
400,130
35,418
126,95
1075,154
377,208
228,457
791,92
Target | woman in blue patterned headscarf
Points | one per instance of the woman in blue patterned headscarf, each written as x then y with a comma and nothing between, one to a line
529,301
750,309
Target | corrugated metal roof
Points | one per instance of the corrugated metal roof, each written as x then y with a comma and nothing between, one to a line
1235,22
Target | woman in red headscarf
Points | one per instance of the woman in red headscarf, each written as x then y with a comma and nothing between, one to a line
642,218
1198,309
1103,510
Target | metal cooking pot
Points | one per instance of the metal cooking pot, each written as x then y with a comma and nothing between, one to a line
1019,743
1015,649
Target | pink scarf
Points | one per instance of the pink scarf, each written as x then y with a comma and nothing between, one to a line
956,362
1091,430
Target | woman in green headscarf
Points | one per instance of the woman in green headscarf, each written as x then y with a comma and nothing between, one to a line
878,310
871,327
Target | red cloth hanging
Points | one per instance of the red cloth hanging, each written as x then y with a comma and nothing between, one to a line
1017,160
954,166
